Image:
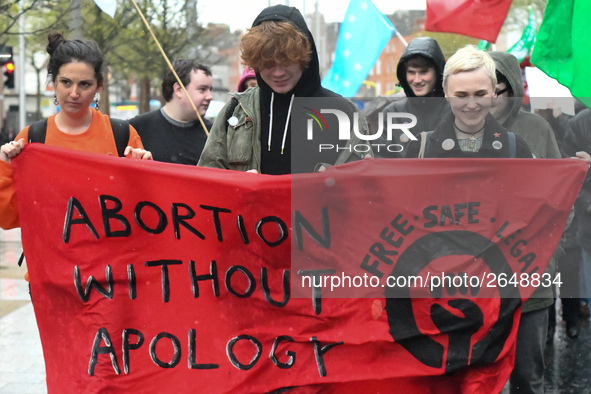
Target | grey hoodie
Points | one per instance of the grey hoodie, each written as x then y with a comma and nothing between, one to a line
534,129
538,134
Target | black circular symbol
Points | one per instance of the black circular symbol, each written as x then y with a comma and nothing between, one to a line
403,323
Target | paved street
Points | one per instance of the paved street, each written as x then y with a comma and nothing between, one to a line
22,369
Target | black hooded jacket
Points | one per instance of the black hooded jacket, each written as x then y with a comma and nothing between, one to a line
273,161
428,109
493,134
428,48
239,137
578,138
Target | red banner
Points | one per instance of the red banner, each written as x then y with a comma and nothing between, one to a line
473,18
150,277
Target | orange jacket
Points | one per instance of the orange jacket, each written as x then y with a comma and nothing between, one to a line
98,138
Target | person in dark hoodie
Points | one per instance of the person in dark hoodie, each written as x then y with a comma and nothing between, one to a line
506,108
420,72
253,131
528,373
577,143
469,130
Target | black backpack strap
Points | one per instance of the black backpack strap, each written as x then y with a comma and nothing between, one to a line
120,128
512,145
37,131
121,133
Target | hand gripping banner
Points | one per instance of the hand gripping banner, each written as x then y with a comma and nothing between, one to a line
150,277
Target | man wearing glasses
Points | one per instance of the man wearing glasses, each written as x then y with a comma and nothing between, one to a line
528,373
506,108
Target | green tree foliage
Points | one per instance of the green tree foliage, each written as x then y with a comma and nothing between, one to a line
125,41
50,12
136,53
449,42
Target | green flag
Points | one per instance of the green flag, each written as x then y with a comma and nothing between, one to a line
483,45
522,47
562,47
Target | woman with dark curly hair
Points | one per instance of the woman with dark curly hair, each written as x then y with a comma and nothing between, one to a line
76,69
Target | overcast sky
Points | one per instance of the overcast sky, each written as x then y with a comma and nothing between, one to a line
239,14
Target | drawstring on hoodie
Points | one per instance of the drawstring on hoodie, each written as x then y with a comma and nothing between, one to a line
271,120
286,122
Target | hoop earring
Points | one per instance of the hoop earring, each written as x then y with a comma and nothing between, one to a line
96,102
55,100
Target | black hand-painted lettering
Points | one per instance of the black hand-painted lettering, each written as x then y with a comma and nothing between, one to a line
213,276
130,346
446,214
267,292
320,351
132,282
299,222
84,219
215,211
283,234
251,282
429,216
378,250
165,282
192,354
292,355
176,346
499,233
459,211
112,213
242,229
180,220
316,276
371,268
162,220
472,212
102,335
92,283
400,227
388,236
232,356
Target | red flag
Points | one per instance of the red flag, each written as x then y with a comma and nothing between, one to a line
150,277
473,18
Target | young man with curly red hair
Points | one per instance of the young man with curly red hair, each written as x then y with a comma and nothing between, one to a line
253,131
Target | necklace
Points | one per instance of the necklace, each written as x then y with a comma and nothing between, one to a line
472,135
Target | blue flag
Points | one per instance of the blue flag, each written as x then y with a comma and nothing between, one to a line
363,35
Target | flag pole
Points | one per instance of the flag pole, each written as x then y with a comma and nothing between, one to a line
171,67
400,37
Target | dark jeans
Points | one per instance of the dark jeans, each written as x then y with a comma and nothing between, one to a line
570,312
528,373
